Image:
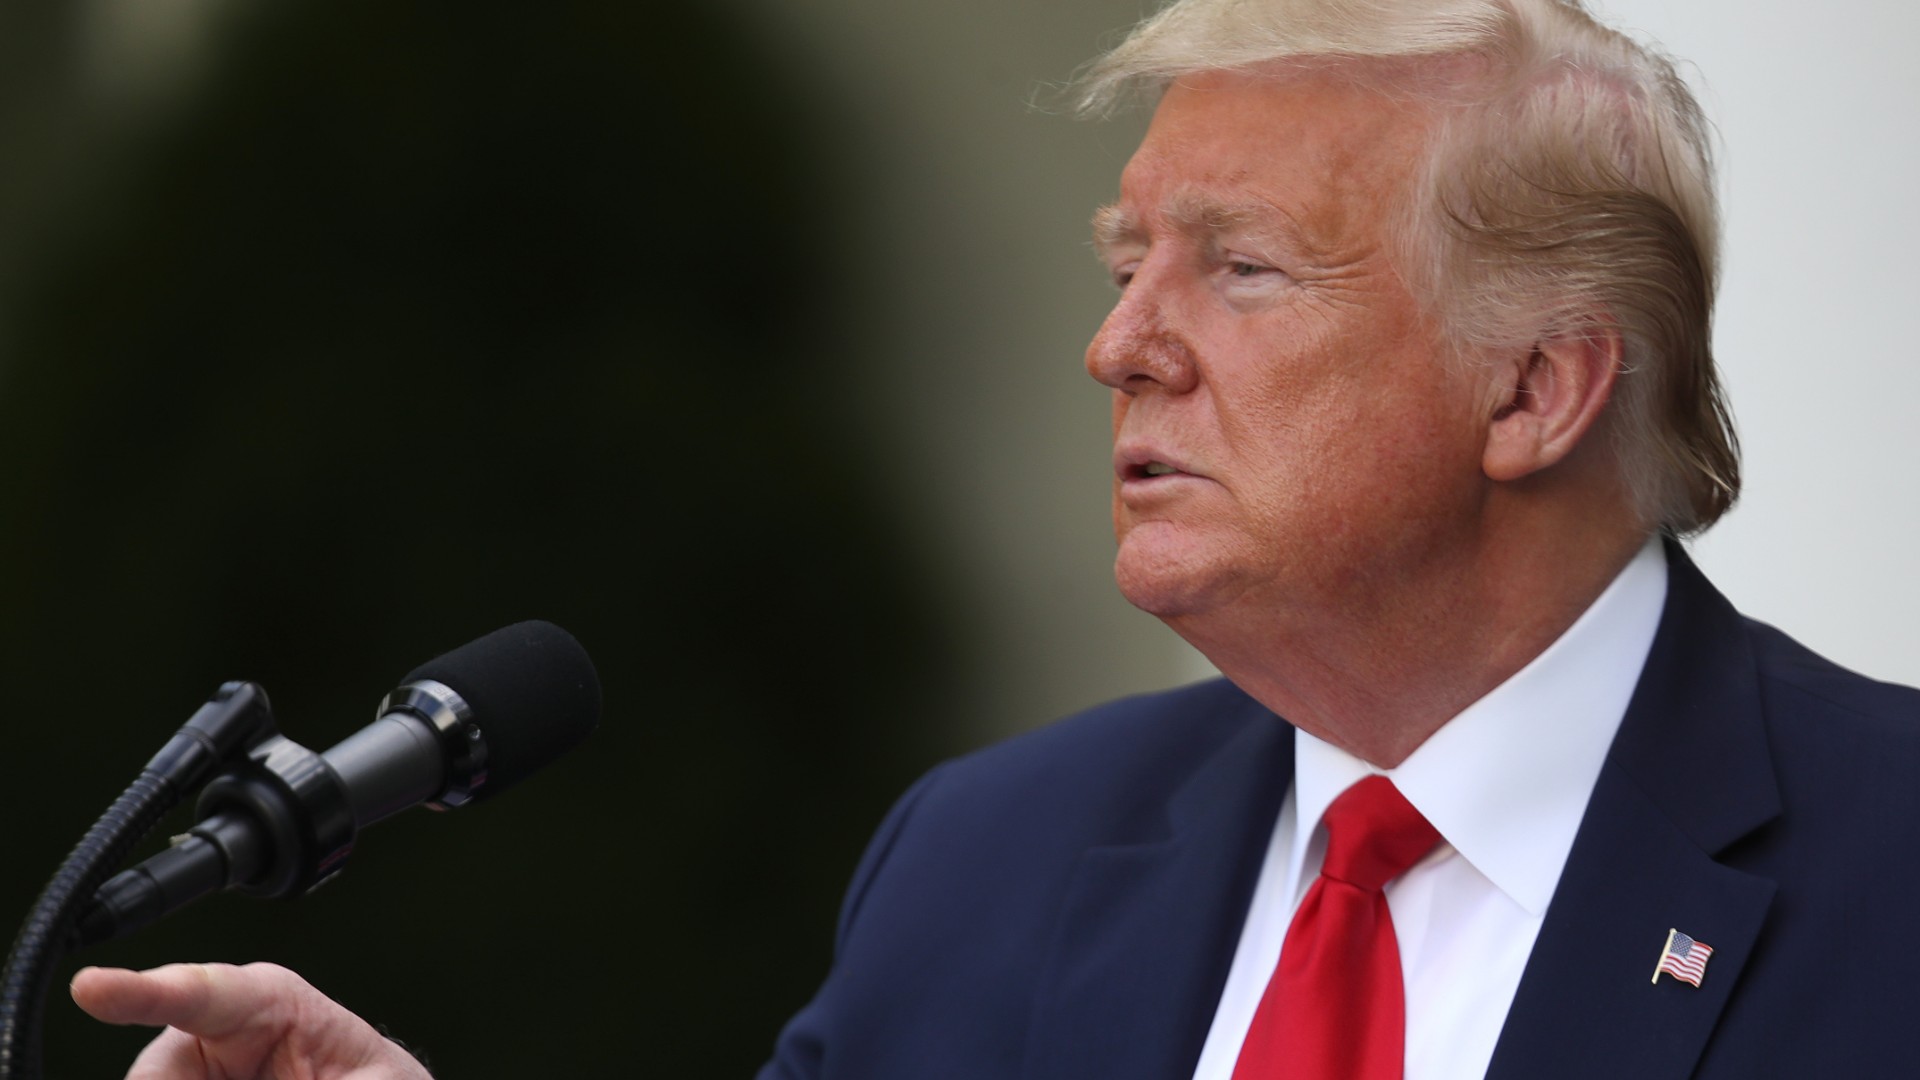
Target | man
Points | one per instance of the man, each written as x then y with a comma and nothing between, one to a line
1410,377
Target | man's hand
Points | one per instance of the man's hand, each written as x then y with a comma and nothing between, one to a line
237,1023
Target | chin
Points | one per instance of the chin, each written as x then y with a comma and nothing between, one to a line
1163,584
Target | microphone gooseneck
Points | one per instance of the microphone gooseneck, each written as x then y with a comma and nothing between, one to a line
235,715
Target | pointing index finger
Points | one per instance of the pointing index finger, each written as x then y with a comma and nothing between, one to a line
211,1000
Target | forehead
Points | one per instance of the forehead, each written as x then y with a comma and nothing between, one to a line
1316,152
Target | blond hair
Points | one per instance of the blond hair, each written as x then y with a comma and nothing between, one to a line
1567,191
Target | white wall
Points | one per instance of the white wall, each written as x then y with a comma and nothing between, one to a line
1818,106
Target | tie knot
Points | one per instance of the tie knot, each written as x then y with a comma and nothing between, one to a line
1374,834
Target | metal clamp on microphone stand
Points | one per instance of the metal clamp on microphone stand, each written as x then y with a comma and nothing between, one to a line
274,824
282,821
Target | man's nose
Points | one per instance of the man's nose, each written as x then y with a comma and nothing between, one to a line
1138,349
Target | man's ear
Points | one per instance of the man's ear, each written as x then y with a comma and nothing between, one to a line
1546,400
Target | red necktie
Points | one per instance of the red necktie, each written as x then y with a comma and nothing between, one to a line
1335,1009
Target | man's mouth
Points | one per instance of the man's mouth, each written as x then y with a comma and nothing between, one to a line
1138,460
1151,469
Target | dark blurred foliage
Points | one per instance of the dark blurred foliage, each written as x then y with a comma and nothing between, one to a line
420,319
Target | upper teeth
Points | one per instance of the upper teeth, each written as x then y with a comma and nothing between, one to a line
1155,468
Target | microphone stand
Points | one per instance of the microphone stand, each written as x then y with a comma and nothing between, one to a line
235,718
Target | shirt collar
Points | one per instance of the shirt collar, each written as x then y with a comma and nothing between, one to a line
1506,781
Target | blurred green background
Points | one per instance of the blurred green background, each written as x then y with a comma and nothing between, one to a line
740,338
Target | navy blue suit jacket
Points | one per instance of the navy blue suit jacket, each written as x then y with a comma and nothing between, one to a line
1065,906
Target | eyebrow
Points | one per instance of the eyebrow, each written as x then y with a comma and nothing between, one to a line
1112,227
1197,215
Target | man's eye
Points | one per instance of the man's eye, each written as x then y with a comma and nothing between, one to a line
1246,269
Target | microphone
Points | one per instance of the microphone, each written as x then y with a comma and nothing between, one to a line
460,728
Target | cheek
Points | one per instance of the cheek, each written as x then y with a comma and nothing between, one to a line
1415,479
1294,434
1344,456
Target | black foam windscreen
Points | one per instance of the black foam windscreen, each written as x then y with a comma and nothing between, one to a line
533,692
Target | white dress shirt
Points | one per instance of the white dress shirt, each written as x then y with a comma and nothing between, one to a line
1505,782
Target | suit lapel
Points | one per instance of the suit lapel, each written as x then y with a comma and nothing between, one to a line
1688,775
1148,930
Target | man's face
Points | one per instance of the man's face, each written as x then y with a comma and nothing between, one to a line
1287,436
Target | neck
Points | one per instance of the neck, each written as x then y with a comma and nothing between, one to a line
1377,666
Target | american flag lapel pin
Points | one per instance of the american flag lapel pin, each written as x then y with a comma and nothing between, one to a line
1683,958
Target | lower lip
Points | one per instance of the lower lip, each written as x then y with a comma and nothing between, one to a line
1143,485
